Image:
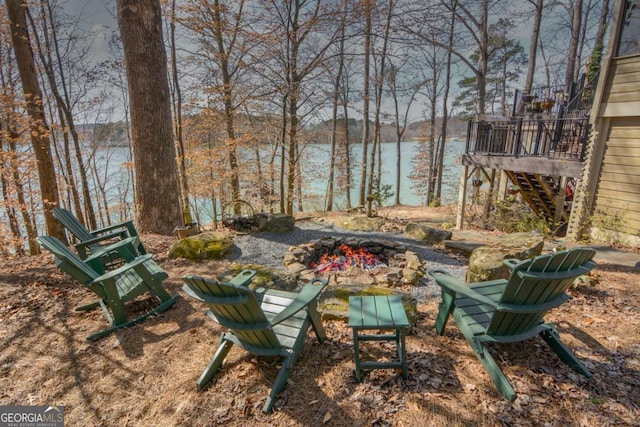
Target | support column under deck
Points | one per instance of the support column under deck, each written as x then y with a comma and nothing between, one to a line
462,197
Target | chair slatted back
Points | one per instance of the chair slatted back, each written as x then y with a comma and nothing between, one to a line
67,261
542,280
236,308
71,223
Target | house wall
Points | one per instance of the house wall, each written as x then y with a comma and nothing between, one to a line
616,208
607,200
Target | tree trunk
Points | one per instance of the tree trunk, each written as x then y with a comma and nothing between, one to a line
157,191
365,94
533,45
445,111
336,100
483,57
182,165
39,130
576,21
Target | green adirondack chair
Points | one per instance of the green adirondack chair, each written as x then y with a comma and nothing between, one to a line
95,242
267,323
114,288
513,309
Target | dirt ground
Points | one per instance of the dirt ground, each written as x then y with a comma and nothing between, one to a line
145,375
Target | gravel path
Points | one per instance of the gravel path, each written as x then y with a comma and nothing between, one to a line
269,248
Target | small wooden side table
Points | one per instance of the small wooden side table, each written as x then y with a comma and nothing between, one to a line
379,313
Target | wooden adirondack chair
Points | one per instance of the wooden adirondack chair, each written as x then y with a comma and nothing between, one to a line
94,242
269,323
512,310
114,288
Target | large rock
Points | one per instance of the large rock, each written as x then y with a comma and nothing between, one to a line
265,277
334,301
425,234
486,261
277,223
207,245
360,223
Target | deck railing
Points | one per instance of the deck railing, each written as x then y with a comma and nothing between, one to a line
543,137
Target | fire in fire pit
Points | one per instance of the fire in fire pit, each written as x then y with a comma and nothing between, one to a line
346,257
351,261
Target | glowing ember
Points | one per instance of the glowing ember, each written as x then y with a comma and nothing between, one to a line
347,257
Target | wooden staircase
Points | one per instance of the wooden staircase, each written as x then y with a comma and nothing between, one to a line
539,191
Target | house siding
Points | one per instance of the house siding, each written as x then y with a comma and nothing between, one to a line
616,206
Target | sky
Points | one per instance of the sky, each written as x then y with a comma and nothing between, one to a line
99,17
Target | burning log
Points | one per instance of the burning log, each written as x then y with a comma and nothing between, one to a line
348,257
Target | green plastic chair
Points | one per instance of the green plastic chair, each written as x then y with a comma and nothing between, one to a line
513,309
114,288
95,242
267,323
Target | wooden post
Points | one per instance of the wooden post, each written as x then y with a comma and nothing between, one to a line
559,200
502,186
462,197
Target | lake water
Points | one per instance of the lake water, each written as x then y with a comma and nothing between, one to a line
316,169
317,161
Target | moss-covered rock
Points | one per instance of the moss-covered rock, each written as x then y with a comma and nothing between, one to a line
265,277
425,234
360,223
207,245
486,263
334,301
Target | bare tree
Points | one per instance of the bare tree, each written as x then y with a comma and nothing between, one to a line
533,43
50,53
574,9
39,129
368,10
177,102
336,102
295,47
157,192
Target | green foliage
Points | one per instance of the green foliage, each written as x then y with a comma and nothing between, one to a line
381,192
505,64
595,61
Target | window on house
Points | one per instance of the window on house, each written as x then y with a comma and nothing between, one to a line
629,43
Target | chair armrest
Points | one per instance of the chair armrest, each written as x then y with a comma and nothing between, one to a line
511,263
128,225
202,297
125,249
114,273
243,278
451,283
97,239
307,295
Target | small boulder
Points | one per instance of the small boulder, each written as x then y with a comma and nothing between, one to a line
360,223
486,263
207,245
265,277
425,234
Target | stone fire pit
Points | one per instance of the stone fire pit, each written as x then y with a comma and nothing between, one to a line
401,268
397,266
